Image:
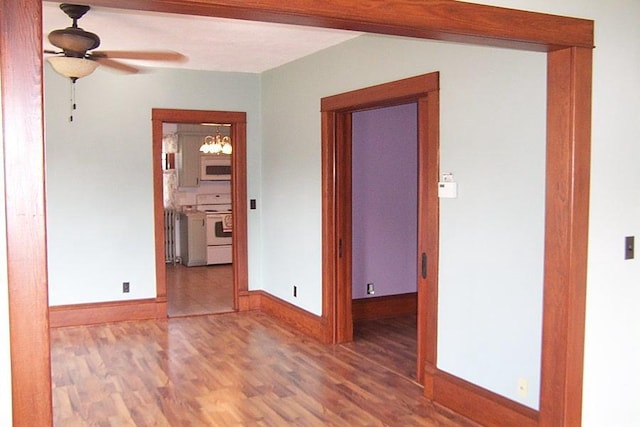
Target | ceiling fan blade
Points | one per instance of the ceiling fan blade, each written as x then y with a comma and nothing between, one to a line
117,65
150,55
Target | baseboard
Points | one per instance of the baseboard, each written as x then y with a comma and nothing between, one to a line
105,312
299,319
386,306
479,404
118,311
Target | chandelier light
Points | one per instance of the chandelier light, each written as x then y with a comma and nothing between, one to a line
217,144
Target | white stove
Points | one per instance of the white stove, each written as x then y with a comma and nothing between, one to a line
219,226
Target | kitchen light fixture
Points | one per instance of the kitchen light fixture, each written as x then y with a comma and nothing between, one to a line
217,144
71,67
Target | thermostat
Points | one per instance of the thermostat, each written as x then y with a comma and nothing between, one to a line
447,187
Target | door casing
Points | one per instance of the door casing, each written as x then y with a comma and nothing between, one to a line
337,113
568,43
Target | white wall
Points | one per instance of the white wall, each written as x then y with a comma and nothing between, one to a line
492,139
99,178
611,371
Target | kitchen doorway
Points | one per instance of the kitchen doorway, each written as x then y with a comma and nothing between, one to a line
196,272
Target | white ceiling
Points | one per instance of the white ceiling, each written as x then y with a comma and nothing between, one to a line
208,43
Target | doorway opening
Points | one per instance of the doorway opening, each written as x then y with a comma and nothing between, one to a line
198,213
199,269
338,225
384,206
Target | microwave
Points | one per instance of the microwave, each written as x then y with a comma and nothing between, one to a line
215,168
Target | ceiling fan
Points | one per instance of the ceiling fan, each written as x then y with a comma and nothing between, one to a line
77,58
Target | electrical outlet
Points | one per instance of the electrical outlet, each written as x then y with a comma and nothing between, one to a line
370,289
523,387
295,291
125,287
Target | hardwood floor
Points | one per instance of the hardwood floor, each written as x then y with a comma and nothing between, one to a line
389,342
199,290
225,370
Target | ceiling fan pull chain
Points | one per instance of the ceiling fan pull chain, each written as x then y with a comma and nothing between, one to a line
73,98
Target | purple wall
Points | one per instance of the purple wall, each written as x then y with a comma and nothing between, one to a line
385,201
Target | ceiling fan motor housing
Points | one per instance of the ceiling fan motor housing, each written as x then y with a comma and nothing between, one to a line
74,41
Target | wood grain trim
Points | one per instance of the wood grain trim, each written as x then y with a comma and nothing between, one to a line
386,306
387,94
238,121
158,207
105,312
24,195
344,230
297,318
567,216
21,77
244,301
329,243
428,233
432,19
240,213
197,116
481,405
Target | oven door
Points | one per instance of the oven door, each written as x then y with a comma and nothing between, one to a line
216,233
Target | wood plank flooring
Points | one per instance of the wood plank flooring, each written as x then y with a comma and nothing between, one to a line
389,342
236,369
199,290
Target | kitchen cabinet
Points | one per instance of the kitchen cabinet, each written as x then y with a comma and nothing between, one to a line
190,138
193,238
189,160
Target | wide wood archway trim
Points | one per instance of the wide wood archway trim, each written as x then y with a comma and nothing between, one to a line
569,41
238,122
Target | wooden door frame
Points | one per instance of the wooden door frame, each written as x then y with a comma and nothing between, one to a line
568,43
337,113
238,121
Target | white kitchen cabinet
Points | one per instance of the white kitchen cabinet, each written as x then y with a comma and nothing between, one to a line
190,139
189,160
193,238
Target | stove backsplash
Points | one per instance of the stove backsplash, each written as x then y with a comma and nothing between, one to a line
185,198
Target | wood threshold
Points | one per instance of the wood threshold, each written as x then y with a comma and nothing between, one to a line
385,306
106,312
21,82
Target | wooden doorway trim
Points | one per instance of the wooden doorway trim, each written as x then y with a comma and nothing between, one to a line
336,204
568,41
238,121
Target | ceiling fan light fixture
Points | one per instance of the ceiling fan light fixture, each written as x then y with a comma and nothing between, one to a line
73,68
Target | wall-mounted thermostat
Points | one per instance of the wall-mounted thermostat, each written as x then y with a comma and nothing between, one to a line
447,187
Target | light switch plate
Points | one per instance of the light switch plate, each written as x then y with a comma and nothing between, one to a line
629,247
